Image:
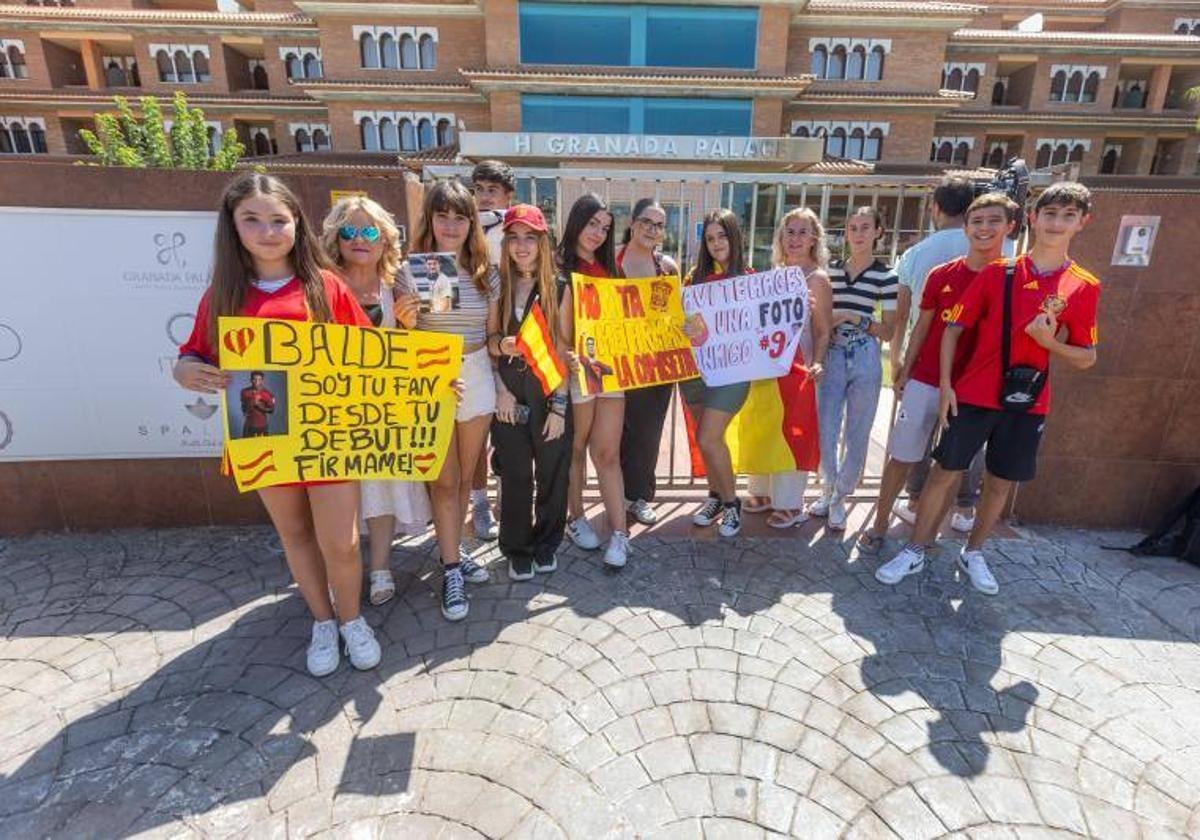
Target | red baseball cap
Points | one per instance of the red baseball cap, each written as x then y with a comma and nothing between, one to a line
525,214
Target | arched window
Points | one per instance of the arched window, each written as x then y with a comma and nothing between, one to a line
200,62
259,77
1091,87
945,152
428,52
39,139
856,63
998,93
873,147
214,141
6,143
1108,163
408,136
821,132
1043,156
444,133
262,143
820,57
183,67
295,67
875,65
1182,28
955,79
835,144
166,69
312,66
971,81
114,74
303,141
1060,154
837,63
1075,87
408,53
389,138
961,152
1076,155
1196,28
388,51
854,145
21,138
370,136
425,139
320,140
801,131
1058,84
16,61
368,52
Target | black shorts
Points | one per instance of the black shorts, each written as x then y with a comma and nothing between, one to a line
1012,441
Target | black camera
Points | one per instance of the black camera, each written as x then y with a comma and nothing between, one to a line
1013,180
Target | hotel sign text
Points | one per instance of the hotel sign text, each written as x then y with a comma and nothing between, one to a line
639,146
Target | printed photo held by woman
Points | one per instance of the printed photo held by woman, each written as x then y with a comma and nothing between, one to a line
849,392
362,241
799,241
645,408
721,255
267,263
450,223
531,432
586,248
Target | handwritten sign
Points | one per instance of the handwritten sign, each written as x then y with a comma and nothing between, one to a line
750,326
328,402
627,333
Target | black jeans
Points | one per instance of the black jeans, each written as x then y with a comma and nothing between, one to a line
645,412
530,528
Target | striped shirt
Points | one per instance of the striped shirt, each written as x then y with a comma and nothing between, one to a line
859,295
470,319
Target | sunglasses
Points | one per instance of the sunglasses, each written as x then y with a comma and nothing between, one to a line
369,233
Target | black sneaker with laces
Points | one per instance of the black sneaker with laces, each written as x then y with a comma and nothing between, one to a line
454,595
731,519
709,513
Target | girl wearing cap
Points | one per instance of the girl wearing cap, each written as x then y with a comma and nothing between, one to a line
531,431
362,241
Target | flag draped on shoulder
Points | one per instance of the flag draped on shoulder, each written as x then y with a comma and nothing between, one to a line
535,344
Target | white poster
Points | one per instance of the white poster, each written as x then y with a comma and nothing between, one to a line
748,327
93,307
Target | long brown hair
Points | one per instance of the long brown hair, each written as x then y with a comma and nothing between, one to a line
705,264
451,196
544,277
233,266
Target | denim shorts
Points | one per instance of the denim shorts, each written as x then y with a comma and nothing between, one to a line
727,398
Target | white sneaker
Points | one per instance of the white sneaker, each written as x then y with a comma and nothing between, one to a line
361,645
837,515
731,520
471,570
709,513
642,511
819,507
581,533
323,656
962,524
617,553
485,525
977,570
905,513
908,562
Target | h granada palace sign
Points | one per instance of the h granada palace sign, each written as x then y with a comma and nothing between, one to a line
672,147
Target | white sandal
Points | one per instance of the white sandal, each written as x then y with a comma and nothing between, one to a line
783,519
383,587
756,504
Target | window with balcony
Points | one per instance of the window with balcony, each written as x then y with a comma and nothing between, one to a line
12,60
396,48
310,137
649,35
854,140
848,59
22,136
385,131
962,77
121,71
635,115
1073,83
1052,152
302,62
182,64
951,150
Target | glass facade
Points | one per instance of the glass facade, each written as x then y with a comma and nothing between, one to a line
635,115
617,35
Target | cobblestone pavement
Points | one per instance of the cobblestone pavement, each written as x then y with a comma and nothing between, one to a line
154,682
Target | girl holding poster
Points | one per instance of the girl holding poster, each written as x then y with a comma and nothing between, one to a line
268,264
721,255
450,223
849,393
799,241
363,242
587,248
531,432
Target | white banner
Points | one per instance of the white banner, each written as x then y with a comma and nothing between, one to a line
750,326
94,306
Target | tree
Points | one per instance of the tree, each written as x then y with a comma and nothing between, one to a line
123,139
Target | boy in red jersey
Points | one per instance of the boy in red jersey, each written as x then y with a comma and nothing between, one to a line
988,221
1049,293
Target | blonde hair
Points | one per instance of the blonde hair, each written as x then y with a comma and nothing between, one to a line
544,277
389,233
452,197
820,250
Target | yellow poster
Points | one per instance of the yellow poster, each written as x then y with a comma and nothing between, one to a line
628,333
328,402
337,195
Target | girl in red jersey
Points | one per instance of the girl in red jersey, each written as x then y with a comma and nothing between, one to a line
267,264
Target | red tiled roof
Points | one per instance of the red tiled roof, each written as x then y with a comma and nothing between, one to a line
624,75
942,97
1132,39
387,161
895,6
105,97
449,87
59,13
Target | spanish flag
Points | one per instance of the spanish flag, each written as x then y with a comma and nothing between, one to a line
533,340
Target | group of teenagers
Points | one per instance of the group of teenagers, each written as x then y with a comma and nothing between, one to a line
270,262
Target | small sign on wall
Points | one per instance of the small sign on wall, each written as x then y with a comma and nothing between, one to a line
1135,240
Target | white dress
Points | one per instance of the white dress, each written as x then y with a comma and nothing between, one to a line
408,501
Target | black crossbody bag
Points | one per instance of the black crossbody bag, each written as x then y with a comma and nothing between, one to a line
1020,385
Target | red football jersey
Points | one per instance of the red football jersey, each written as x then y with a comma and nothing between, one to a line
943,289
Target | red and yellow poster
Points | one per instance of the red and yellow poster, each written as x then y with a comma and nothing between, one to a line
628,333
327,402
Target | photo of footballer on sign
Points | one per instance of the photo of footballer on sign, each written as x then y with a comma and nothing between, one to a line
435,277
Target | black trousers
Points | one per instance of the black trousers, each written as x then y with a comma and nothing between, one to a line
534,473
645,412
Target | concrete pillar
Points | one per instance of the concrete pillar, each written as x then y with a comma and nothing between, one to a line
1160,80
1145,152
93,64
